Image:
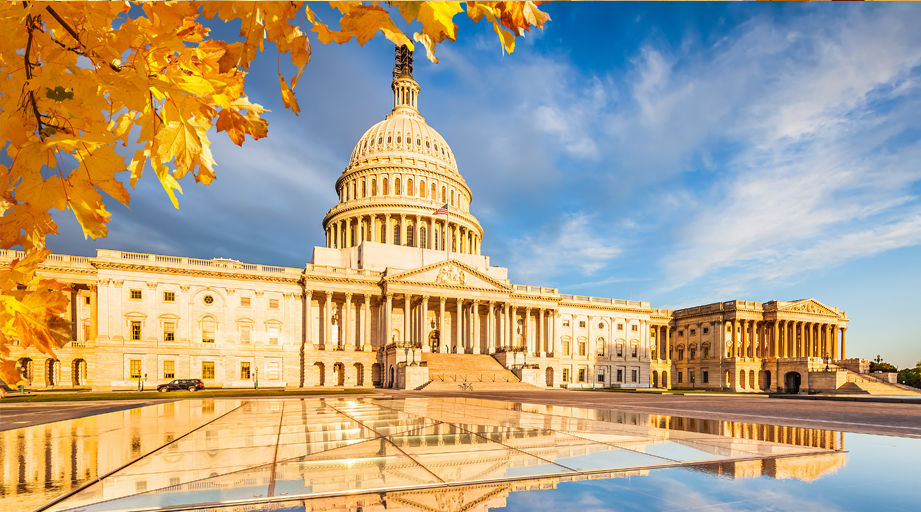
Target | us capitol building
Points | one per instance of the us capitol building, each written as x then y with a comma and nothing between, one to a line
401,297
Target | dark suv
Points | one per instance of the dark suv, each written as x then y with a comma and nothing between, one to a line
181,385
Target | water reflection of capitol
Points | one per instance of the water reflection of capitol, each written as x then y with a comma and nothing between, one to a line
42,462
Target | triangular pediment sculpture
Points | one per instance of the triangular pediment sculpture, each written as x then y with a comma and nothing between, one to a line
451,273
810,306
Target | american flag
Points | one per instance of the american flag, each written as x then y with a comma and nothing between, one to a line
442,211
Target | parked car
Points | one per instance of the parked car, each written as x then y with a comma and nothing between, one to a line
181,385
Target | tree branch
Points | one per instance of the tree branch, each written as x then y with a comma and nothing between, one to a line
30,26
73,33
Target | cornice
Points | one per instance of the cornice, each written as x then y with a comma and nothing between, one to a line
190,272
427,209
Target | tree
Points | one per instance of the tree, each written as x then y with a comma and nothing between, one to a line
911,376
882,366
79,78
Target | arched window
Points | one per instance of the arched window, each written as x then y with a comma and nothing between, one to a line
364,189
434,196
383,233
444,194
423,237
452,198
437,240
599,346
409,235
208,328
374,186
409,187
354,190
385,190
453,242
422,189
470,242
397,189
742,378
396,234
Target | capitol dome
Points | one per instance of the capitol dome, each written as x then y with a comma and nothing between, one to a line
400,173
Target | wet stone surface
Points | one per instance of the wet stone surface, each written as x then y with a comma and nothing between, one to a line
420,453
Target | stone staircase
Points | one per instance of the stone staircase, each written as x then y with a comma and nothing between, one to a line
858,383
469,372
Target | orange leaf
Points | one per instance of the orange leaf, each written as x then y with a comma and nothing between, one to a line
287,96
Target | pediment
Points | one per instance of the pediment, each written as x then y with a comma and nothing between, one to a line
451,273
810,306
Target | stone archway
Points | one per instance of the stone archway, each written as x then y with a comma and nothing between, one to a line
376,375
52,372
550,376
319,374
792,382
79,372
655,379
390,383
766,380
339,374
359,374
26,369
664,379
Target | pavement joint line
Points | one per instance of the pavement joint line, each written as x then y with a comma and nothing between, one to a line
73,492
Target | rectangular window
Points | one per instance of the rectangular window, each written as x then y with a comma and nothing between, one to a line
135,366
274,371
273,303
566,348
173,480
680,376
169,296
565,323
634,376
207,330
581,348
620,375
693,332
633,350
136,294
581,374
86,300
706,376
565,374
244,371
135,330
140,486
87,330
169,331
706,353
706,330
581,323
169,369
244,302
273,335
691,376
207,370
601,375
620,327
600,348
245,332
620,350
680,333
634,328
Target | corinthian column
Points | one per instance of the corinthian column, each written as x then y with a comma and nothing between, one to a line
423,327
441,325
366,324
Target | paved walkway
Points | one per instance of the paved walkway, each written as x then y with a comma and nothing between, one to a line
870,418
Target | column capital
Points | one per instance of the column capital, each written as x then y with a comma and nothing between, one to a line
492,304
368,297
389,295
476,302
402,216
329,295
348,297
527,309
308,293
426,298
442,299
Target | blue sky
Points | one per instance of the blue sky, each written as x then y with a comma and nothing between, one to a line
686,154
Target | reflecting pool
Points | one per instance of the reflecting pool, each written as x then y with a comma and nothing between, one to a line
443,454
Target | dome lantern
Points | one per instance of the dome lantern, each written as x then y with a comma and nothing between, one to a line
405,89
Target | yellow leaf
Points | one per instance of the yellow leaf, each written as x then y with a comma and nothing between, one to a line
507,38
364,21
287,96
180,141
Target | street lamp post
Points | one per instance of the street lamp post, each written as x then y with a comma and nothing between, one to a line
256,381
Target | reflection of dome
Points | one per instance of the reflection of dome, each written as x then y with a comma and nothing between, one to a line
400,172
